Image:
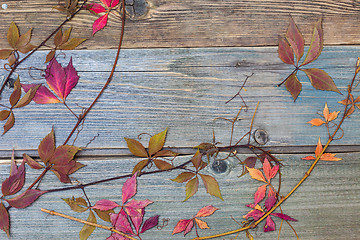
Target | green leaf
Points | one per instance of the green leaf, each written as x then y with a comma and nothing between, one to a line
191,188
211,185
183,177
320,79
157,142
316,45
46,147
293,85
104,215
87,230
136,147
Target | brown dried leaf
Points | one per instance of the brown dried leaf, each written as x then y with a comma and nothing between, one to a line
72,43
136,147
58,38
4,114
16,94
104,215
87,230
191,188
162,165
5,53
9,123
316,122
293,85
27,48
50,56
46,147
320,79
13,35
31,162
183,177
140,165
165,153
11,59
66,36
211,185
26,99
24,39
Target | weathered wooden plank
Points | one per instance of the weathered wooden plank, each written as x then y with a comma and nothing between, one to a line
185,90
196,23
326,205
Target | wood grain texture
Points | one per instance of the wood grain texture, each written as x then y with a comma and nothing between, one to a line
195,23
326,206
185,90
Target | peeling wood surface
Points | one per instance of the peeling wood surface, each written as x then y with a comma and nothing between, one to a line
195,23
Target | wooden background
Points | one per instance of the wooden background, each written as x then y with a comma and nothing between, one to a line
182,61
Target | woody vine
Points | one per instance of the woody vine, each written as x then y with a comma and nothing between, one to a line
128,219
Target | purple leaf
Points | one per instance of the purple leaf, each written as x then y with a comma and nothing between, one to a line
71,78
42,95
116,236
138,203
293,85
15,182
137,220
296,40
255,214
269,225
189,227
4,220
105,205
129,189
284,216
150,223
25,199
120,222
286,53
271,199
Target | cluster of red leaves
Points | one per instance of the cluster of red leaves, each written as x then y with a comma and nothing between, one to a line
16,101
62,42
130,218
192,179
97,8
186,225
12,185
60,160
293,44
18,43
60,80
257,212
154,151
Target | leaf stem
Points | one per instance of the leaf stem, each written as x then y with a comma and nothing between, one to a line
88,223
13,68
82,117
295,70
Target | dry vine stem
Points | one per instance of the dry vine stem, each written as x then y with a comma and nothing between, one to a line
88,223
307,174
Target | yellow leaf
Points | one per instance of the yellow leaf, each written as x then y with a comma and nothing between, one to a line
157,142
13,35
256,174
136,147
87,230
191,188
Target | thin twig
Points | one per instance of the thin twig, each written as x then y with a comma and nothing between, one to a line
88,223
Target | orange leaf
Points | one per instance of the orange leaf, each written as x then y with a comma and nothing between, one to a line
309,158
256,174
136,147
4,114
201,224
329,157
157,142
316,122
318,149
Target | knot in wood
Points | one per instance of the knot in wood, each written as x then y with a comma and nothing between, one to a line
136,9
261,136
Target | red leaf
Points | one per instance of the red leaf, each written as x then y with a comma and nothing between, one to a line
296,40
4,220
267,169
100,23
181,225
46,147
271,199
150,223
293,85
255,214
129,189
191,188
316,44
274,171
269,225
284,216
138,204
121,222
321,80
15,182
137,219
286,53
61,80
211,185
25,199
96,8
189,227
260,194
42,95
114,3
105,205
206,211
